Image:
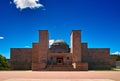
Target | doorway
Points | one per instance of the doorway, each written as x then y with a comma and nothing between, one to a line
59,60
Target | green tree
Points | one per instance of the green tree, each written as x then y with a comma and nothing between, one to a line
118,58
3,62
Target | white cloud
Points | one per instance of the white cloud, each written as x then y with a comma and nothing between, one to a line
10,2
116,53
51,42
27,46
22,4
1,37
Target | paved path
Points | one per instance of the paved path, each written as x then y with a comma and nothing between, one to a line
59,80
59,76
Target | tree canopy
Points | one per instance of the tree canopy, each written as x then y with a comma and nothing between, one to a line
118,58
3,62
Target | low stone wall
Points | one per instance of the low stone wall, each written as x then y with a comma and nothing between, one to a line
117,64
80,66
98,58
21,58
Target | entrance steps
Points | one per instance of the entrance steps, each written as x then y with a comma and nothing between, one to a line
59,68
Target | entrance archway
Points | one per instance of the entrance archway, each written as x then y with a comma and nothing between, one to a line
59,60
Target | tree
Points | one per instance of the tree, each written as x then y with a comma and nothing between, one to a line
3,62
118,58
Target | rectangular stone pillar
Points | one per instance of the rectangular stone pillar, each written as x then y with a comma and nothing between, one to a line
40,51
76,50
76,45
35,57
44,45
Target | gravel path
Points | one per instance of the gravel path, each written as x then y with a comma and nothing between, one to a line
59,76
59,80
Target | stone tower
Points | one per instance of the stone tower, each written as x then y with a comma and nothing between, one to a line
76,51
40,51
76,45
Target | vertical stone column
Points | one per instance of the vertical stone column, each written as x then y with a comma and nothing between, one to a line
76,50
76,45
44,37
44,46
40,51
35,57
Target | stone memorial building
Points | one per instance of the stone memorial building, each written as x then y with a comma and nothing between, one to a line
59,56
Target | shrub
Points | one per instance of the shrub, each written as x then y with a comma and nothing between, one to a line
118,58
3,62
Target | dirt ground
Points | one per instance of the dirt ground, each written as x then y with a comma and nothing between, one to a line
59,76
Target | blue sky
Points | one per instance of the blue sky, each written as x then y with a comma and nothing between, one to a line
20,21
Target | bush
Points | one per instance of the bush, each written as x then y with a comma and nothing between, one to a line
117,58
3,62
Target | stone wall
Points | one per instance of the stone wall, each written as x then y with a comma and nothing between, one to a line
80,55
98,58
21,58
113,60
84,50
117,64
82,66
35,56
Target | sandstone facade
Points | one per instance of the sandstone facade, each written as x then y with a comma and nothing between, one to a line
59,57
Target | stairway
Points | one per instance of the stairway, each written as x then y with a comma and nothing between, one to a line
59,68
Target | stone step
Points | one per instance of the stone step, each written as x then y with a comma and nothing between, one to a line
59,68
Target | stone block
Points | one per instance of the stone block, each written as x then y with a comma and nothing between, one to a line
21,58
38,66
82,66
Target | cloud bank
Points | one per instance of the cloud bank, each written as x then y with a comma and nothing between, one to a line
116,53
51,42
22,4
1,38
27,46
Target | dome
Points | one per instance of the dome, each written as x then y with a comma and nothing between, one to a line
59,42
59,46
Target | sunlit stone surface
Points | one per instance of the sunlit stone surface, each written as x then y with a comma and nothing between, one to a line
59,80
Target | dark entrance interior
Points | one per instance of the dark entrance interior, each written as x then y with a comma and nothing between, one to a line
59,60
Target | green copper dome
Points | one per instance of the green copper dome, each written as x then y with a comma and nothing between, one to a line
58,42
59,46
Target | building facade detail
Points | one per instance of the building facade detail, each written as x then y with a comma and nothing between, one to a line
59,57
